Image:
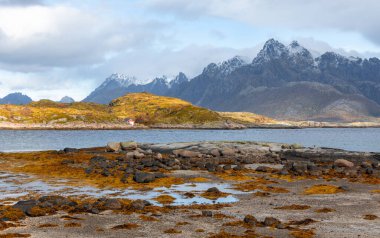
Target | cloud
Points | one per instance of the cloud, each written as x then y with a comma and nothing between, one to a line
36,37
20,2
345,15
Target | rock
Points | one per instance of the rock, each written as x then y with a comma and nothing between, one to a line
344,188
140,204
143,177
159,175
238,167
135,155
213,190
129,145
210,167
99,162
189,195
25,205
227,167
70,150
343,163
158,156
250,220
186,153
207,213
55,200
228,152
113,147
263,169
271,221
215,152
112,204
36,211
147,162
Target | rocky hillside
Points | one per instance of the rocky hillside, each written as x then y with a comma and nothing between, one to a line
145,108
283,82
148,108
16,99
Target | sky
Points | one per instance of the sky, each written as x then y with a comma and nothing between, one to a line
53,48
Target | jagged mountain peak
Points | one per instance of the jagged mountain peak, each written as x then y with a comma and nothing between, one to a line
272,49
180,78
226,67
121,79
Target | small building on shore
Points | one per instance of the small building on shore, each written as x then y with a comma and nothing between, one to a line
130,121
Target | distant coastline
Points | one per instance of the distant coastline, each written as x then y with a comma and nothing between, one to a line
206,126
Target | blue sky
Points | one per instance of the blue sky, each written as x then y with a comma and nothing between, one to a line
53,48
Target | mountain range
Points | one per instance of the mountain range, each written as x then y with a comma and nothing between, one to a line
282,81
16,99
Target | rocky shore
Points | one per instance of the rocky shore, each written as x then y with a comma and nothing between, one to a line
229,189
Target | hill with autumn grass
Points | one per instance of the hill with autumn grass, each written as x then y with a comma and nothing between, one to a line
145,108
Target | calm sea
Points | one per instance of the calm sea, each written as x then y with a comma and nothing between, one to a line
356,139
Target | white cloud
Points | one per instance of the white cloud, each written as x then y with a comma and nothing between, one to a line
346,15
62,36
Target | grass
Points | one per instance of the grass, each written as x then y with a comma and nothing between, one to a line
165,199
145,108
248,117
322,189
148,109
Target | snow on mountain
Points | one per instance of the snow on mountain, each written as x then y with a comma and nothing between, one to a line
119,79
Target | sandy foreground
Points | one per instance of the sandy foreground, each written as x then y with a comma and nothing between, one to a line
211,189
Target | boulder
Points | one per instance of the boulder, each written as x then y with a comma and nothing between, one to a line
213,190
55,200
271,221
263,169
249,219
25,205
99,162
113,147
135,155
129,145
343,163
215,152
143,177
112,204
228,152
140,204
186,153
207,213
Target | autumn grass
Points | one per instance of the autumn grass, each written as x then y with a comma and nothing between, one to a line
172,231
145,108
148,109
322,189
293,207
248,117
126,226
165,199
302,233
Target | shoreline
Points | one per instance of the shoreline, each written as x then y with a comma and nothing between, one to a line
217,189
101,126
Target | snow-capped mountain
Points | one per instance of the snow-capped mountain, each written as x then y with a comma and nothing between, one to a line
282,81
118,85
225,68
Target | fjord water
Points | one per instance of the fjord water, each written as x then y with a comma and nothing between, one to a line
354,139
